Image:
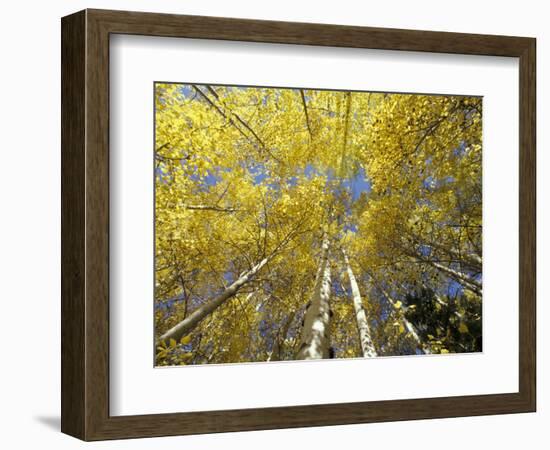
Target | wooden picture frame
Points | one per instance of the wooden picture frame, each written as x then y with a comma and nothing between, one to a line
85,224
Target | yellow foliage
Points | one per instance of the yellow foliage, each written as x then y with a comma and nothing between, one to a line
246,173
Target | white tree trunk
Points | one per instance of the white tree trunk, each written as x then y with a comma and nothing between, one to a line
471,259
411,329
469,283
367,347
208,208
443,303
465,280
279,340
314,340
192,320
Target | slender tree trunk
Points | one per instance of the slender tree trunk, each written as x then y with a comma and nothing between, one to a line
440,301
280,338
411,329
192,320
443,303
472,285
208,208
314,341
367,347
470,259
466,281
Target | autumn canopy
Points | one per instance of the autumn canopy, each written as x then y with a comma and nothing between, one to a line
306,224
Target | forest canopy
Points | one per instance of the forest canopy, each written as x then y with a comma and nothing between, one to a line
295,224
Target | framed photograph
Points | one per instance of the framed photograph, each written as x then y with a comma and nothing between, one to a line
273,225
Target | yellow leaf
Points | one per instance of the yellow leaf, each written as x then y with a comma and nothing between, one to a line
444,350
398,304
463,328
173,343
185,339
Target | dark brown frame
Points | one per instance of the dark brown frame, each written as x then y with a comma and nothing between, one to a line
85,224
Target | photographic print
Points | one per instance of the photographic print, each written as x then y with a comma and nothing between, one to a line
299,224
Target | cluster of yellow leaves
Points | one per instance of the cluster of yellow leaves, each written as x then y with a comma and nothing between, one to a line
242,173
173,354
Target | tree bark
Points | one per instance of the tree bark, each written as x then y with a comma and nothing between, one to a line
192,320
208,208
470,259
367,346
411,329
469,283
275,354
314,341
443,303
466,281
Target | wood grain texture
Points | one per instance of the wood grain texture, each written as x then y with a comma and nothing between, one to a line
85,224
527,225
73,108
